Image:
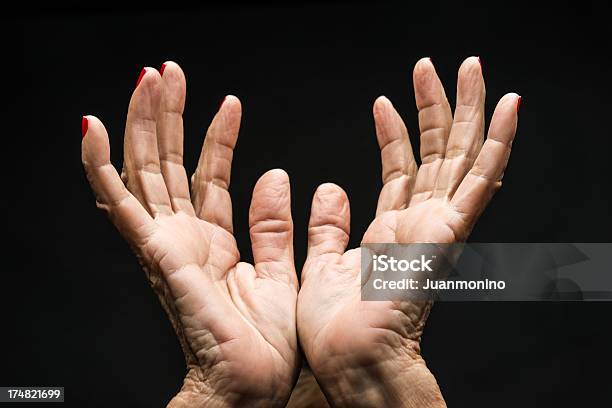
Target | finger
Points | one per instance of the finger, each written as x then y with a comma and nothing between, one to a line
477,188
467,132
398,165
170,137
329,225
125,211
435,120
142,167
271,227
211,179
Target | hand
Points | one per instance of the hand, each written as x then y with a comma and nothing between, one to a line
235,321
368,353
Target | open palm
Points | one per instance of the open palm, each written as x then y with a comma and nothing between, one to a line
235,321
346,340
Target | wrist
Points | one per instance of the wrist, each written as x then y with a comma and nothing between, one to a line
198,393
396,382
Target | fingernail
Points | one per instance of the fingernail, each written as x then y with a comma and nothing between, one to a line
480,62
161,70
430,60
518,103
142,73
222,102
84,126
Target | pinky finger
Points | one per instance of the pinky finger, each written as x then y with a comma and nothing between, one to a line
484,179
124,210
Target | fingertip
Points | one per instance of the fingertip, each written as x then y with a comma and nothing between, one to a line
470,68
92,127
228,116
505,118
142,75
231,101
231,107
271,197
95,147
278,176
382,99
148,78
329,188
470,84
423,70
381,103
424,63
472,61
273,185
171,69
331,195
511,95
510,101
146,98
427,86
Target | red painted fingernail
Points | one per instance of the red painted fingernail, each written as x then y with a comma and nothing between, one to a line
84,126
144,71
518,103
222,102
480,62
161,70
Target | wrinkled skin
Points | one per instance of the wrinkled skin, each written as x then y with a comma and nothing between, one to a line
368,353
236,322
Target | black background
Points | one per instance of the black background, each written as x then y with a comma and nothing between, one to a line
78,312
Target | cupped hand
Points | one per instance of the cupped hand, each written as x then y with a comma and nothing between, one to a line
368,353
236,322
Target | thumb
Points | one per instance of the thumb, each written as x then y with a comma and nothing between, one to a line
329,226
271,227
